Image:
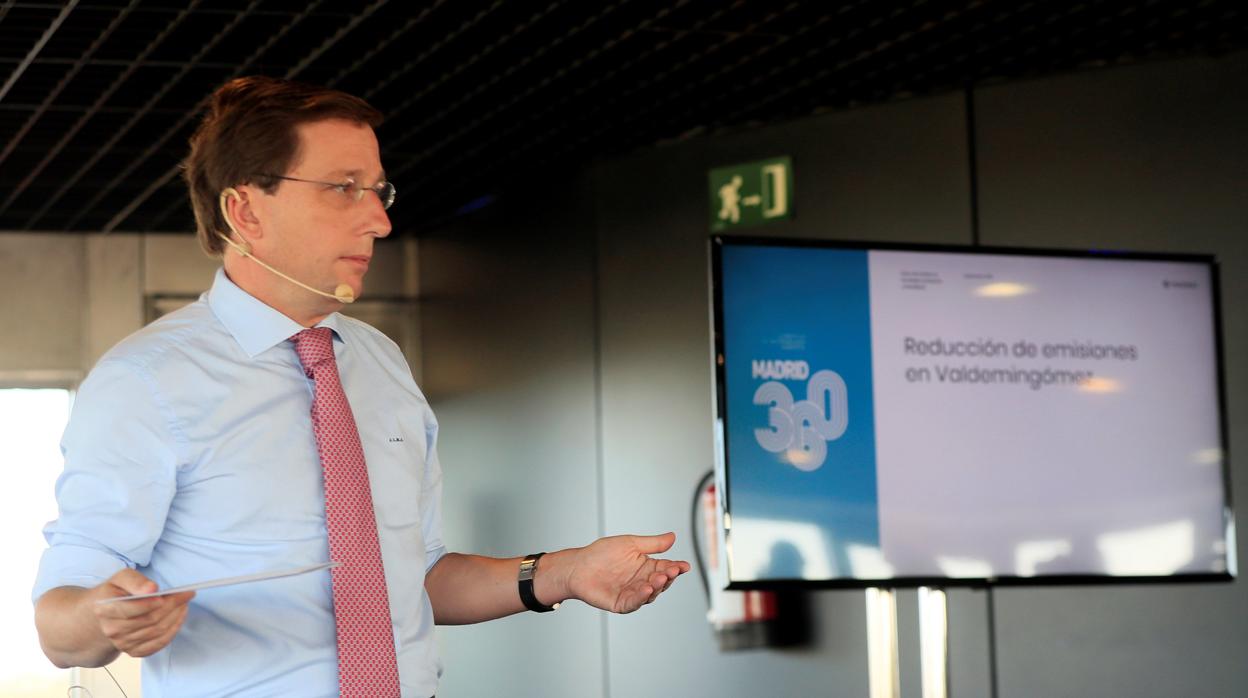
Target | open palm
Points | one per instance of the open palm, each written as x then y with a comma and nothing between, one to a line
617,574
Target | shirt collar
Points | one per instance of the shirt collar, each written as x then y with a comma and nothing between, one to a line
256,327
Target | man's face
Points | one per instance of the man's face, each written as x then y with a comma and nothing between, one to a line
318,233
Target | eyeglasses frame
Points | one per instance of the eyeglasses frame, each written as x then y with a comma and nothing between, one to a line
384,190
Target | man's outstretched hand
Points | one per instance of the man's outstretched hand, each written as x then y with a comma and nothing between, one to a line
617,573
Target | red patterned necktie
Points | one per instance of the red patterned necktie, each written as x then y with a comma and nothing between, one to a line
367,667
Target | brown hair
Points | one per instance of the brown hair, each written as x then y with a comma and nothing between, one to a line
249,133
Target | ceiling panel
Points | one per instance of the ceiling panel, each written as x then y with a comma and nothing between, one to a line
98,98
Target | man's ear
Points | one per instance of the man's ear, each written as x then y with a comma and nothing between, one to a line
239,210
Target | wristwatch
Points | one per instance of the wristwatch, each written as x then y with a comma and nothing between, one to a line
527,568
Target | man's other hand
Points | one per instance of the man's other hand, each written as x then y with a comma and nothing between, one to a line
143,626
617,573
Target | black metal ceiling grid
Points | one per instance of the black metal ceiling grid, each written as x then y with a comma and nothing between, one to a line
98,97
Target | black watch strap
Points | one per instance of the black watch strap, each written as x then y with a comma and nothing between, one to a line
527,568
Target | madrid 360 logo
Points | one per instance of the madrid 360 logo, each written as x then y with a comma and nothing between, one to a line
800,430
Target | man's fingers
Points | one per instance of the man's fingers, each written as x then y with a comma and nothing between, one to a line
132,582
655,593
140,639
127,582
181,598
169,620
159,639
128,610
657,583
146,632
130,638
133,629
674,569
652,545
671,568
136,609
168,626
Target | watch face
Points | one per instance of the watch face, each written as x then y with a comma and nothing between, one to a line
526,568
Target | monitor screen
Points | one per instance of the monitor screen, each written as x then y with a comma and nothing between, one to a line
903,415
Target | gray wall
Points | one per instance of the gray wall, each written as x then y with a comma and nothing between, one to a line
507,315
69,297
43,280
566,352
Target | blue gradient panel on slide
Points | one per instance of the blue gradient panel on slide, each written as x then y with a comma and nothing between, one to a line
799,411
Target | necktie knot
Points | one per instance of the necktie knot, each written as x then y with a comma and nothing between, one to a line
314,346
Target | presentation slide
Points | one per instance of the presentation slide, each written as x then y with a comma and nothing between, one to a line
893,414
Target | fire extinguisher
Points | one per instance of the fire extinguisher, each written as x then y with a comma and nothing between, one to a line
741,619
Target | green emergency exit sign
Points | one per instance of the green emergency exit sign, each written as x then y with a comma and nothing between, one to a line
751,193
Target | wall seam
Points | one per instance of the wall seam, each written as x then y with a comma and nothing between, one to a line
88,312
972,156
600,450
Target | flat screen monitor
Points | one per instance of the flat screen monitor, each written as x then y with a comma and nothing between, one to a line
908,415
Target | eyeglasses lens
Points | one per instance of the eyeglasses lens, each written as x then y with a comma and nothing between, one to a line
385,192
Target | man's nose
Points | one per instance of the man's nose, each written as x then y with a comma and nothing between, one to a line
379,220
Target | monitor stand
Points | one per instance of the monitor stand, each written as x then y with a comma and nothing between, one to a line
884,671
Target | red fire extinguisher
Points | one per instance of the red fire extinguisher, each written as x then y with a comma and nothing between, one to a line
742,619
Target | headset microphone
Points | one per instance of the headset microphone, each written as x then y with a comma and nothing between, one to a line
342,294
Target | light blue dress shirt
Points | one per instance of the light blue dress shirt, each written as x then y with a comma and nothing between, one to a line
190,456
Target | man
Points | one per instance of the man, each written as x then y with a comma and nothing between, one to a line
257,429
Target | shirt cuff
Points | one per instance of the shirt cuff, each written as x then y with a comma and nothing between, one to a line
74,565
432,556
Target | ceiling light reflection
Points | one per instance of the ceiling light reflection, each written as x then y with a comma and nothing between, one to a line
1098,384
1002,289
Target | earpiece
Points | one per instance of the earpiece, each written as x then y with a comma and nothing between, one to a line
244,248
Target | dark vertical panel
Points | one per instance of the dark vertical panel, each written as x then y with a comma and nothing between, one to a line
1149,157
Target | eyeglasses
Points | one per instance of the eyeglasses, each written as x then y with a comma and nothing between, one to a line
384,190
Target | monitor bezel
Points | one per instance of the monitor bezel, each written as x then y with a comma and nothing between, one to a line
717,243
